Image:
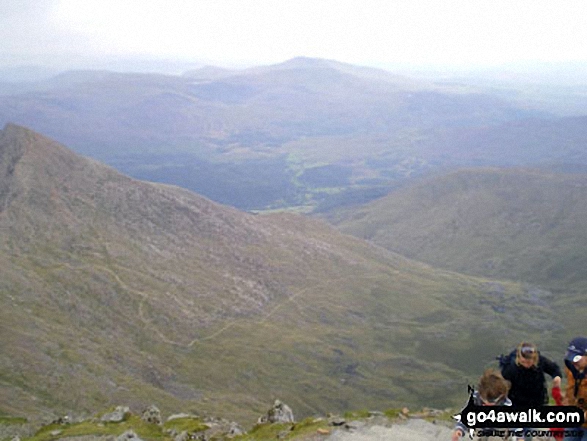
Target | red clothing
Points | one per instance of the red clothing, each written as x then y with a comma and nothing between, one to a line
558,399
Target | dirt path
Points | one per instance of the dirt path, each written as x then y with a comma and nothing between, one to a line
412,430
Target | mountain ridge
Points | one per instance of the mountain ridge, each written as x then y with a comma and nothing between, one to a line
270,123
114,290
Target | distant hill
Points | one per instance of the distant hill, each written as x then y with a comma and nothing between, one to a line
117,291
526,225
244,137
532,142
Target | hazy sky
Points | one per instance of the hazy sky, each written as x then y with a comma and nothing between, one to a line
457,32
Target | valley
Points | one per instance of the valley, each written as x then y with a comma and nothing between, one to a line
306,134
334,236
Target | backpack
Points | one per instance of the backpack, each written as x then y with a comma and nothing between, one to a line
510,360
505,360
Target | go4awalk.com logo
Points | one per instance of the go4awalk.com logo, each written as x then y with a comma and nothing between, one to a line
475,417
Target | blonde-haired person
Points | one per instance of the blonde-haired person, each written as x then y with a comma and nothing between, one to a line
526,373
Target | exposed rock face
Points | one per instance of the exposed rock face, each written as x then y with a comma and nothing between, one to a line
279,413
235,430
152,415
220,427
119,414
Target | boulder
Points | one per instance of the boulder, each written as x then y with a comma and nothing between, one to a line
152,415
279,413
218,428
235,430
62,420
183,436
119,415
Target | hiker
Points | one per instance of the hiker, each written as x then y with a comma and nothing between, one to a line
492,390
576,393
525,371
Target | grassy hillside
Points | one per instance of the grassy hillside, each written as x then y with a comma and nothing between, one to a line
525,225
116,291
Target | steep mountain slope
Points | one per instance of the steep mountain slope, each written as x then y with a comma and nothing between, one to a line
518,224
270,123
118,291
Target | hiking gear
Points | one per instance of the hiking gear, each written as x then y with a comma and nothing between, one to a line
574,380
577,346
527,351
505,360
558,399
528,384
576,388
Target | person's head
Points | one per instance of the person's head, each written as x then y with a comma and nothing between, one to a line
577,352
493,388
527,355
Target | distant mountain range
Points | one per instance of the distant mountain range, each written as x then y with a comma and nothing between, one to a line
306,133
118,291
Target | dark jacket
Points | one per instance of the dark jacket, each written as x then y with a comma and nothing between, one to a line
528,384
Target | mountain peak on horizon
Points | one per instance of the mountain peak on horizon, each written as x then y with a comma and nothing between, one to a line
308,61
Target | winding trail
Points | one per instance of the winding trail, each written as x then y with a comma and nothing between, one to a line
230,324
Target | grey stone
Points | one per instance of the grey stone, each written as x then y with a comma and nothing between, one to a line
119,414
183,436
279,413
152,415
235,430
180,415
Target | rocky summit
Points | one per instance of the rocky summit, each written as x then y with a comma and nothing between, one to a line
278,422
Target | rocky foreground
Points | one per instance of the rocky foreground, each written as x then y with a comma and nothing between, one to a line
120,424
